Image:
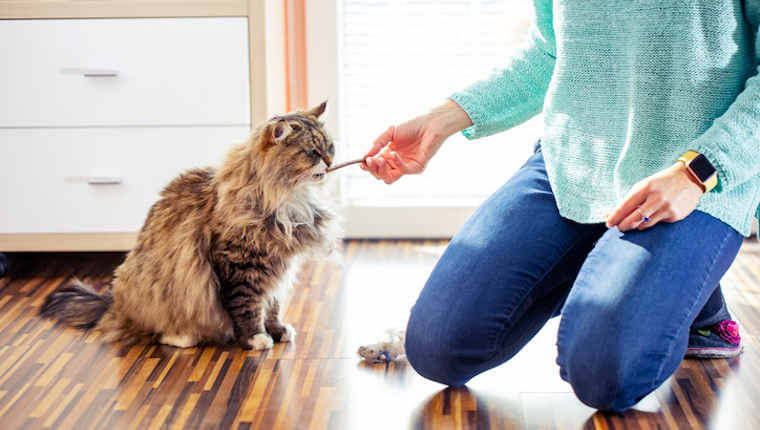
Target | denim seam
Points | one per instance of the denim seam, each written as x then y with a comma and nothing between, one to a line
591,227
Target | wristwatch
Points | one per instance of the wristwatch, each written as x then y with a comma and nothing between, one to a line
701,169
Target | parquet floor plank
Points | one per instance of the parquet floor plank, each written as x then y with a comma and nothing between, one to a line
56,377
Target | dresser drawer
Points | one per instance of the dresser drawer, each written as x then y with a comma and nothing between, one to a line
97,180
124,72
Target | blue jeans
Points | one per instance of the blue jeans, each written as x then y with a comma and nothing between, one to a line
627,299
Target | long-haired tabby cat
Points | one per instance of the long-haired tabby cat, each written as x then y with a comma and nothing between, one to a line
219,246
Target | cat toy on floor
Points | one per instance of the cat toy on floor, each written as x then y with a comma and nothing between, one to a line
390,349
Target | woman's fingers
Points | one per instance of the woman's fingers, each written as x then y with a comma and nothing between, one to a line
388,170
626,216
667,196
375,160
381,142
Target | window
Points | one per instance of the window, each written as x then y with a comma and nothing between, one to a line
395,60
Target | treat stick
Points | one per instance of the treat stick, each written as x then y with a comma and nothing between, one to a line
344,164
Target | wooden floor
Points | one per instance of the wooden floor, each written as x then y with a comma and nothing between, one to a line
55,377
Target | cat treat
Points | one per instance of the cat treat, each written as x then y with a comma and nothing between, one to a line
344,164
220,246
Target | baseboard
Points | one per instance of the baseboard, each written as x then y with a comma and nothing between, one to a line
63,242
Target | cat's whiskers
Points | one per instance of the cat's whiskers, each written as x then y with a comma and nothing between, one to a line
305,177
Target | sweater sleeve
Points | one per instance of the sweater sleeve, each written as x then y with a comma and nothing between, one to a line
732,142
515,93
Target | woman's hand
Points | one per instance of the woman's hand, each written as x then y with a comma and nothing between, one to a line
668,196
406,148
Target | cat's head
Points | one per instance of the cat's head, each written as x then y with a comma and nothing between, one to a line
296,148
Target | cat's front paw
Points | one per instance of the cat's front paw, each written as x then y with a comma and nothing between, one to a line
289,335
281,332
259,342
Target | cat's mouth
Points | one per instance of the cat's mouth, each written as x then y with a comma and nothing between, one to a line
319,177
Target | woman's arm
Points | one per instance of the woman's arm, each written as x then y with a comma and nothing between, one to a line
731,144
510,96
515,93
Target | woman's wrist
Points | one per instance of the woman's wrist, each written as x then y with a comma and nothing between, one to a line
683,170
449,118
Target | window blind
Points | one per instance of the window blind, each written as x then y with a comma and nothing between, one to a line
399,58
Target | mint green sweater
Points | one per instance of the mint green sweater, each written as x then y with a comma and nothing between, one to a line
628,86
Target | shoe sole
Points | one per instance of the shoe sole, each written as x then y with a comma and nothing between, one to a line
713,352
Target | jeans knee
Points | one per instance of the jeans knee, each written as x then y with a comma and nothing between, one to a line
599,391
432,354
602,380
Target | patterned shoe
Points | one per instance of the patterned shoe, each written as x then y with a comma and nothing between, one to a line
720,340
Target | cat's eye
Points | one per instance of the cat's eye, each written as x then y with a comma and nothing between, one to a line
312,153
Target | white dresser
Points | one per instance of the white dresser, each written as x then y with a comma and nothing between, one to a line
98,115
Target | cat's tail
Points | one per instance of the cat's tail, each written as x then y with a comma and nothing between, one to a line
78,304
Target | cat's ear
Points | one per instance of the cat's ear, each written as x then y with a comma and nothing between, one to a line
319,110
280,131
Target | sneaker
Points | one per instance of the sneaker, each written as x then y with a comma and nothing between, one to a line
719,340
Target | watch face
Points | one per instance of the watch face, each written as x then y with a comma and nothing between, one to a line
702,167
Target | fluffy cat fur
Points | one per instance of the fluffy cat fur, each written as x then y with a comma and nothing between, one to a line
220,246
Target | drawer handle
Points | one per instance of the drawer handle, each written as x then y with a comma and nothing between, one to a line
95,73
104,181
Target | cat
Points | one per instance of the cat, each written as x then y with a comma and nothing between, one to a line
220,246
